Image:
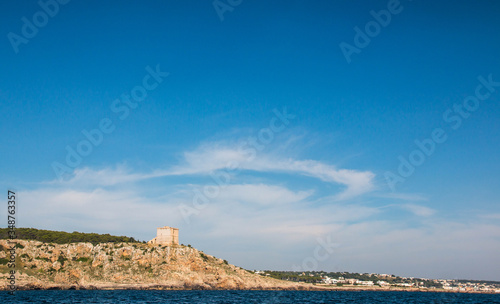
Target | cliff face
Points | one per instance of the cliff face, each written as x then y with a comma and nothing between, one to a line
126,265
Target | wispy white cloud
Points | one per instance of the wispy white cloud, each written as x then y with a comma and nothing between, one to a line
491,216
418,209
108,176
209,158
213,157
262,194
402,196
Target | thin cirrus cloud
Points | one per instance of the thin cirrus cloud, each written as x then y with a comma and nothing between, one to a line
212,157
402,196
419,210
104,177
491,216
263,195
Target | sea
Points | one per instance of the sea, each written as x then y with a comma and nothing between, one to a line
229,296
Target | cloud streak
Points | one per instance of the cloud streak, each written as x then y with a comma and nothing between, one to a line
210,158
419,210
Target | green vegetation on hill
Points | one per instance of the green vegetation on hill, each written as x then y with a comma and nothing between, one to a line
61,237
294,276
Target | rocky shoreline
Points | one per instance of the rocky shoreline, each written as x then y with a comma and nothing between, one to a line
297,287
120,266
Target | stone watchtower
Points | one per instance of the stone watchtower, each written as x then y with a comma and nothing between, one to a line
166,236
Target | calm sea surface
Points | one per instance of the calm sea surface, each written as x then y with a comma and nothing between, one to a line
150,296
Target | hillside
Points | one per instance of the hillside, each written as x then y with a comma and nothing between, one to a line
126,265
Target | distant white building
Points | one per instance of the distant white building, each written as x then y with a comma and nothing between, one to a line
365,283
405,284
328,280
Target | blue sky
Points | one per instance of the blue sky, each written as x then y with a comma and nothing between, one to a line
319,174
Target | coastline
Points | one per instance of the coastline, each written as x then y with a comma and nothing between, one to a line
120,266
294,287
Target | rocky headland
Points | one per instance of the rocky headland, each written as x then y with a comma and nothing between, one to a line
125,266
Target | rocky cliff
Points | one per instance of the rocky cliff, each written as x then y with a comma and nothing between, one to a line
125,265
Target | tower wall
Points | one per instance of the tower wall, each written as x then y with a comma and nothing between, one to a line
166,236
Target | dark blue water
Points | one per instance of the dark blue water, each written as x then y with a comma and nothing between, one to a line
227,296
